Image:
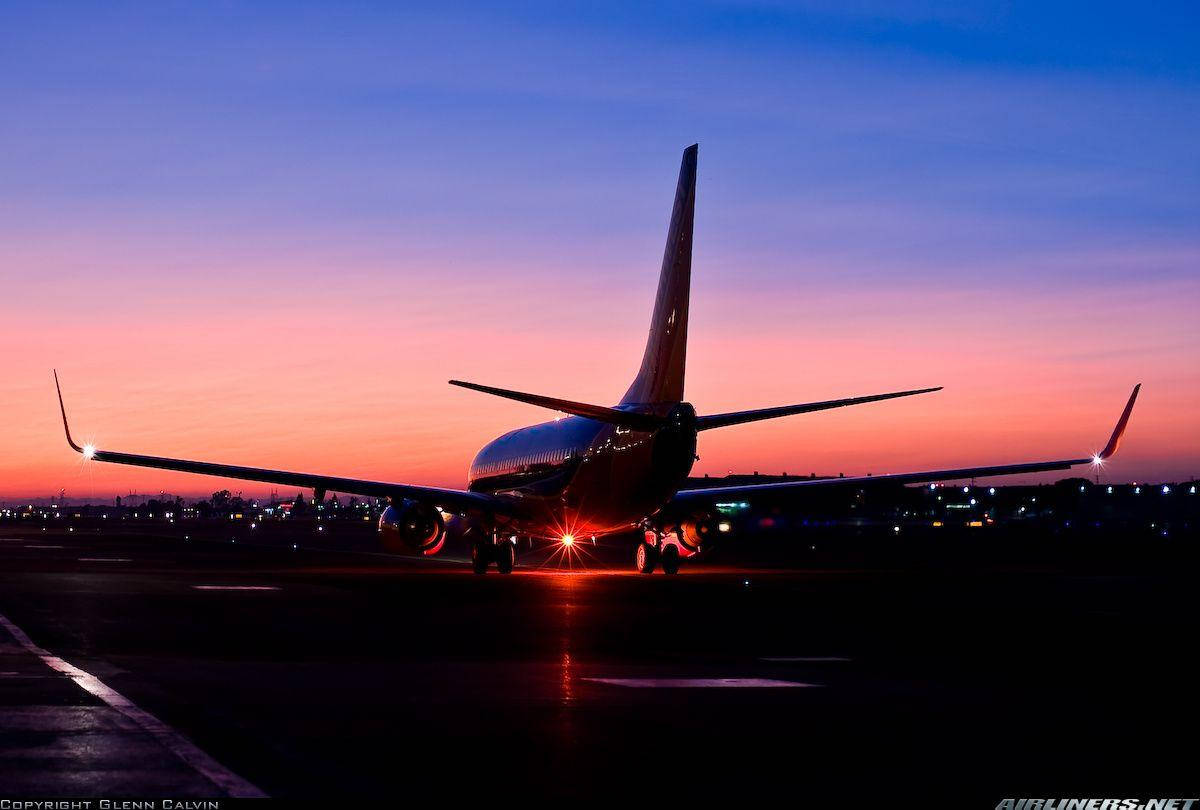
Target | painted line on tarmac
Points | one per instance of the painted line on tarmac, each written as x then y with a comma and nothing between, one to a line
106,559
39,546
701,683
170,739
812,659
235,587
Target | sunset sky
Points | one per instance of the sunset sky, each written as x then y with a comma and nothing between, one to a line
267,234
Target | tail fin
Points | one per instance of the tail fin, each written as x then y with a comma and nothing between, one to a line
660,379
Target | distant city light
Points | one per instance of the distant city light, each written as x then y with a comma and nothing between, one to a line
1166,490
991,490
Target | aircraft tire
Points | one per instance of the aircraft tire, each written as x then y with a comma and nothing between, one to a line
506,557
670,560
645,558
481,556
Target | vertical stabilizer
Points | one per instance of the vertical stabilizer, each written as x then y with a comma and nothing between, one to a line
660,379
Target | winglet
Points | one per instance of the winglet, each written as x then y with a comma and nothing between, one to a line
63,408
1114,441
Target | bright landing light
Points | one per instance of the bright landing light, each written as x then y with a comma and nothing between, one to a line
568,540
89,450
1096,459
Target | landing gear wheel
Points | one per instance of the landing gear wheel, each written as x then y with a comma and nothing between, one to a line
481,555
506,557
645,558
671,560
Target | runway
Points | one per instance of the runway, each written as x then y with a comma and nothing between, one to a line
299,673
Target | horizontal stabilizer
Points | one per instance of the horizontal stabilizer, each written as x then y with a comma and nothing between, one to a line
613,416
739,417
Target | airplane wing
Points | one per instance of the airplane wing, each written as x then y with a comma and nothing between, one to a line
695,499
450,500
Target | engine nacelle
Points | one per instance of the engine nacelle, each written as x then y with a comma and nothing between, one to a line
702,533
412,526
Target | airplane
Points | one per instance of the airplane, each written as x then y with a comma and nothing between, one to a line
599,469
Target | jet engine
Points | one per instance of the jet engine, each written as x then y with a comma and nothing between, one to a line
412,526
701,533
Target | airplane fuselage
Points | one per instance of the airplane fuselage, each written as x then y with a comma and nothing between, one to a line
579,476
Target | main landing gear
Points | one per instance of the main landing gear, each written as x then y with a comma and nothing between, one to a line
656,550
645,558
485,552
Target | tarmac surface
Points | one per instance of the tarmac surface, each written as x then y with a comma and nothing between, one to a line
140,667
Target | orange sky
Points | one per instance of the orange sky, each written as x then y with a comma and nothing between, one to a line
352,381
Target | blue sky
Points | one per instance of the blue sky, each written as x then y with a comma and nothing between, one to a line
1034,164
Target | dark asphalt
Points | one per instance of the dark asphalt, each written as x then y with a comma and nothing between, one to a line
373,676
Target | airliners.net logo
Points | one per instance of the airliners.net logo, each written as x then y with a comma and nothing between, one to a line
1098,804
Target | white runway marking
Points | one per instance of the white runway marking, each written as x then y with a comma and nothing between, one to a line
236,587
700,683
814,659
105,559
43,546
228,781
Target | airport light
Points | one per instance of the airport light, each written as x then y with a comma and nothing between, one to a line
1166,490
724,526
